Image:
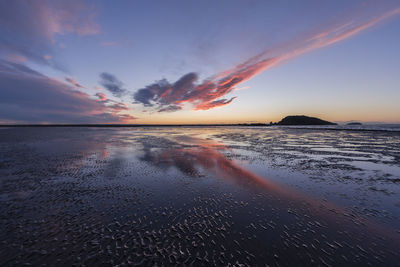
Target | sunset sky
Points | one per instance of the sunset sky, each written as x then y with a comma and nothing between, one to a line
198,61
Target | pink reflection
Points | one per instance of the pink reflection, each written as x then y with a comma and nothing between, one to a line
104,154
203,154
199,154
210,158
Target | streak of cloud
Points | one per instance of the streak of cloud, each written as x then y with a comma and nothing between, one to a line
213,104
74,83
207,94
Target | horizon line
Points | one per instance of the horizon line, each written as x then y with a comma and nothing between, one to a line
170,124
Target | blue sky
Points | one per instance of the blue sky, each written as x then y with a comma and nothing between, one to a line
180,61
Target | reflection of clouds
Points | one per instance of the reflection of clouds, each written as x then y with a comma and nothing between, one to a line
191,155
210,158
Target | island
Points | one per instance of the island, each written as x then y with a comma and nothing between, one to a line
303,120
354,123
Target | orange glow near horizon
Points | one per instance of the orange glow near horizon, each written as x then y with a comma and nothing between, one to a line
219,116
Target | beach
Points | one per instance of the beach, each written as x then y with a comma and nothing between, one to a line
199,196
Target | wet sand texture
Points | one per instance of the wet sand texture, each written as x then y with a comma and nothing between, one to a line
199,196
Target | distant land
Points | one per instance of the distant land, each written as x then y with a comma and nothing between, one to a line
354,123
303,120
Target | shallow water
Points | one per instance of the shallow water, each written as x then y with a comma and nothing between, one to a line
201,196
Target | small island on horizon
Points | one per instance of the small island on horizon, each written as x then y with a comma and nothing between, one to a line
294,120
303,120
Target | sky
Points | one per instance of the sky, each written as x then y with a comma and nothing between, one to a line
178,62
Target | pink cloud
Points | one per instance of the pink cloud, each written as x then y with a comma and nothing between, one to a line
225,82
213,104
207,94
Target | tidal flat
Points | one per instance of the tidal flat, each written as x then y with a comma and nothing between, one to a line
201,196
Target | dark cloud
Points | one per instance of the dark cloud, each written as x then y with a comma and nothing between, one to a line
27,96
150,94
170,108
28,28
112,84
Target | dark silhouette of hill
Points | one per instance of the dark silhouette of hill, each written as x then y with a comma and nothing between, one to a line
303,120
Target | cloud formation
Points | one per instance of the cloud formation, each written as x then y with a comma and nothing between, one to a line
102,97
74,83
28,28
213,104
112,84
27,96
206,95
114,106
165,95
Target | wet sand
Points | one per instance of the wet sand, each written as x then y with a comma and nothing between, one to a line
251,196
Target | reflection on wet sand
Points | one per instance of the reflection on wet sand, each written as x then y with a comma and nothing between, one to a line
192,160
149,197
193,155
